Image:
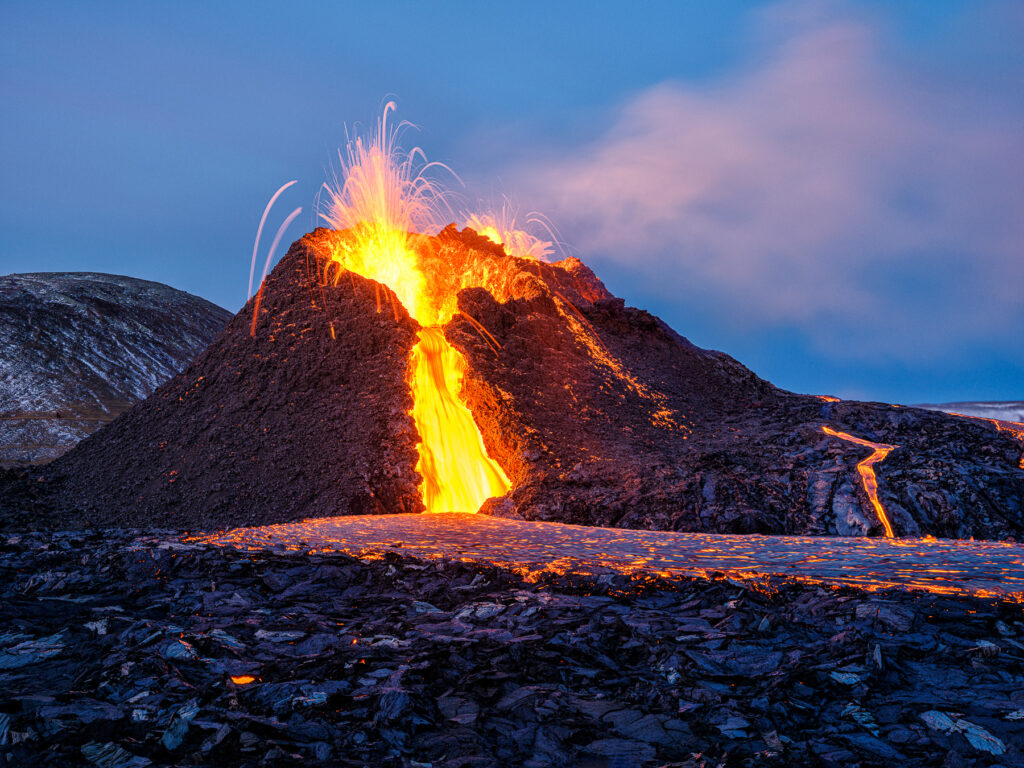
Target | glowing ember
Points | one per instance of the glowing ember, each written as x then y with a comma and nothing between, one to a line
867,472
242,679
386,198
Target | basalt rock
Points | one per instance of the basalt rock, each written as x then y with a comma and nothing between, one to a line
599,414
152,651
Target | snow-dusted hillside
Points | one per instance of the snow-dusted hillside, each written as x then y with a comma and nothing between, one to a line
77,348
1007,411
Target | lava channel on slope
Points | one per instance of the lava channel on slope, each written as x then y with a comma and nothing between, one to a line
867,473
377,204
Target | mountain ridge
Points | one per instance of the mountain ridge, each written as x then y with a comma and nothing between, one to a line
77,349
1000,410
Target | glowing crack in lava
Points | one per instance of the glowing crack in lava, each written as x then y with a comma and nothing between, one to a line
867,472
384,200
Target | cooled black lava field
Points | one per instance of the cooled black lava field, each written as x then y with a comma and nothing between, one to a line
127,652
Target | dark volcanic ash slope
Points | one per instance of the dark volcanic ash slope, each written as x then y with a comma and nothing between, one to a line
599,414
606,416
308,416
78,348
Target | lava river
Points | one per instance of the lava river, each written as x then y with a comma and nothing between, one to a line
867,472
457,473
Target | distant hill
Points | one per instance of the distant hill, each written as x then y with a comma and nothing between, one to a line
78,348
1005,411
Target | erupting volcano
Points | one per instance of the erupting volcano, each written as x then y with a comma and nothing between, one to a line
384,199
393,363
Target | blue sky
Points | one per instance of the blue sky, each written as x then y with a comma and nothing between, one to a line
830,192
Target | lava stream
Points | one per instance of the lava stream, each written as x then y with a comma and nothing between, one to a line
458,475
867,473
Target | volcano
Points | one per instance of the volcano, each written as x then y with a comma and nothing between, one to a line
585,411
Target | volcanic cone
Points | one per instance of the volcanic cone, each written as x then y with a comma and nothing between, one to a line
596,413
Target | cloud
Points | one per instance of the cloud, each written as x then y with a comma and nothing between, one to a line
825,187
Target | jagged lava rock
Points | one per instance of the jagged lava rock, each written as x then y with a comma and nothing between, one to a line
602,415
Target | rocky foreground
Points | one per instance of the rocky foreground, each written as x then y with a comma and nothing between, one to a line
123,653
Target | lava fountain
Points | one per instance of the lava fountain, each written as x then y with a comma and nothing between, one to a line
378,203
500,226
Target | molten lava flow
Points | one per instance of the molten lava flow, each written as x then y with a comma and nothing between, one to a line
867,473
458,476
384,198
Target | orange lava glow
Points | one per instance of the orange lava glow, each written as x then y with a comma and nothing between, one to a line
538,549
242,679
458,475
384,199
500,227
867,472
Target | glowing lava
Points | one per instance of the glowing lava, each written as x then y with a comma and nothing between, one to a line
867,473
538,549
385,197
500,227
457,473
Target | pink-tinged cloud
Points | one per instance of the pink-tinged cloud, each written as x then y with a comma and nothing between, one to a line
824,188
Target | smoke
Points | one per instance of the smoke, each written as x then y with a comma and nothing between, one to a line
828,187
